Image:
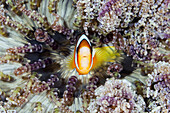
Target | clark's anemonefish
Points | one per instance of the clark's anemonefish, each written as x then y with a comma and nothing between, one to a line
83,55
85,58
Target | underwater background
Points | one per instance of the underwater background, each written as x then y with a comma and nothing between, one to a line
38,36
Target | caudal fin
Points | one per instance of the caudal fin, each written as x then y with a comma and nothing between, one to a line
104,54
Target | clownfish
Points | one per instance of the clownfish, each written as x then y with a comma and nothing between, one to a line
85,58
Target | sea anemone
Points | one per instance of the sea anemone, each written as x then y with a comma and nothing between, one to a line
116,96
37,38
158,88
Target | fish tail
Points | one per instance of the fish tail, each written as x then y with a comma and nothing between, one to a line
104,54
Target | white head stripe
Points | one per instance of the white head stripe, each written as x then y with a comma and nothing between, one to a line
82,38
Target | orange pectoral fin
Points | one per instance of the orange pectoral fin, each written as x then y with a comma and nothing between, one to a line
73,65
70,62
